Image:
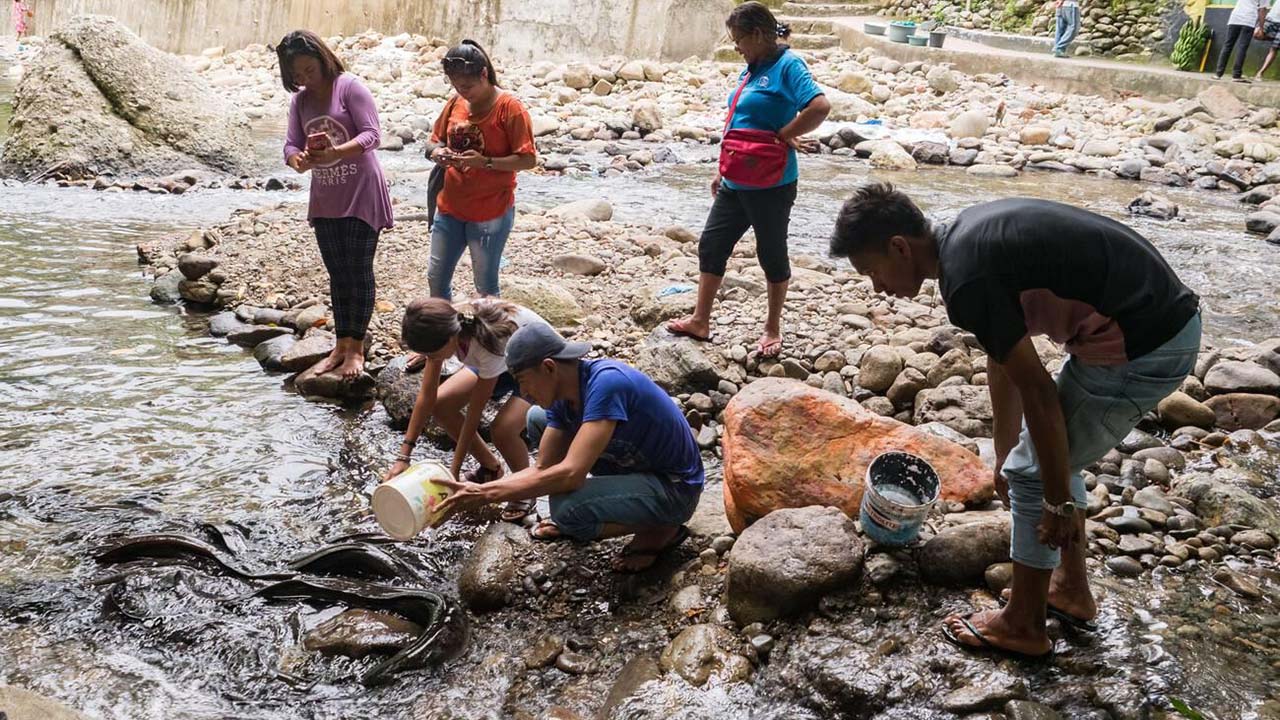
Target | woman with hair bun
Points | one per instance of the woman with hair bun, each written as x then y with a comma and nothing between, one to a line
774,104
485,137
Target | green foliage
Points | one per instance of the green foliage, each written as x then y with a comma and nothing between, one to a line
1177,704
1189,47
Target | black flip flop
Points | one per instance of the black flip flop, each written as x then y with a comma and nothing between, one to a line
987,645
1066,618
676,541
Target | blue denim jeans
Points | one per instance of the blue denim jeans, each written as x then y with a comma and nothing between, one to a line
632,499
1100,404
451,236
1066,26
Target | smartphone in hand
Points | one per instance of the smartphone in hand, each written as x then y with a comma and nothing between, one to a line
317,141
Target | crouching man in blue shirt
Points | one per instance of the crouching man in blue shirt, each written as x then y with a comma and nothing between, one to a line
614,452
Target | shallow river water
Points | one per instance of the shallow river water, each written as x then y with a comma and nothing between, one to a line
118,416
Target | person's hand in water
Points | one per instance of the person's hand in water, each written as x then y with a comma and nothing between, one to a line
396,468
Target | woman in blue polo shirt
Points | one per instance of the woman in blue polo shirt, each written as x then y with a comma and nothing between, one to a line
775,93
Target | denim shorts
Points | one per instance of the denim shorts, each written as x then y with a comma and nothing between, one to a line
1100,405
632,499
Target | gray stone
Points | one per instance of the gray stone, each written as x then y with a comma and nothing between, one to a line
1167,456
332,385
358,632
1128,524
225,323
998,576
1243,411
574,663
1148,205
1254,539
1153,498
786,561
544,652
1262,222
20,704
638,671
594,210
164,290
708,519
676,364
1218,503
489,571
194,266
579,264
879,368
270,353
688,600
308,351
1027,710
904,389
1241,377
701,652
200,292
961,554
250,335
1180,410
1138,440
965,409
988,692
1124,566
553,302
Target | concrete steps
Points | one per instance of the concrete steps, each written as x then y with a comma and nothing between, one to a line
813,42
796,8
807,25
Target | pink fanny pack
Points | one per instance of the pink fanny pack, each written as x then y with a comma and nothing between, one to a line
751,158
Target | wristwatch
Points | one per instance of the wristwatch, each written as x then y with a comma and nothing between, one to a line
1066,509
488,163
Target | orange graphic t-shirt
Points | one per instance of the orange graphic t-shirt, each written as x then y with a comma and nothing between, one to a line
479,194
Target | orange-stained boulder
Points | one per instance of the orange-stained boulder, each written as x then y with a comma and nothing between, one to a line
787,444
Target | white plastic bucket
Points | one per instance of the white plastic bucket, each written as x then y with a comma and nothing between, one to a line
407,503
900,489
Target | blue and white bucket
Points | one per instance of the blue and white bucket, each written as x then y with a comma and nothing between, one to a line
900,490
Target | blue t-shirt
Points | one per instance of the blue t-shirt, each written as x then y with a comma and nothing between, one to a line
779,89
651,435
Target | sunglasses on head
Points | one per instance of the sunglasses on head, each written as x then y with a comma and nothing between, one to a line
462,66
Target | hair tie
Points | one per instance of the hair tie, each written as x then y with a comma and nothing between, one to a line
783,29
466,322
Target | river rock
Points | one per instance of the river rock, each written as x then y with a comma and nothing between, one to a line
646,117
578,264
1101,148
1035,135
577,76
358,632
994,171
398,390
1148,205
988,692
676,364
306,318
595,210
701,652
930,153
1153,498
879,367
903,391
489,572
851,81
20,704
225,323
164,290
1027,710
1218,503
250,335
1124,566
544,652
785,562
194,266
333,385
1254,539
98,96
554,303
787,444
889,155
270,353
1241,377
1220,103
941,80
1180,410
963,408
847,107
969,124
1262,222
201,292
1243,411
308,351
961,554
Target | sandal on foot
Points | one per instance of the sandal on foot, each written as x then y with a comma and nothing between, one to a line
545,531
986,645
770,349
682,534
1067,619
481,475
516,510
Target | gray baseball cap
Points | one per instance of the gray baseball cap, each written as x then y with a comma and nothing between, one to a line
536,342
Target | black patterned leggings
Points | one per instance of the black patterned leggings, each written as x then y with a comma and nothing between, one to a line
347,246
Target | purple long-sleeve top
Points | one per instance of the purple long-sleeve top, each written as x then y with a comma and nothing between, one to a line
353,187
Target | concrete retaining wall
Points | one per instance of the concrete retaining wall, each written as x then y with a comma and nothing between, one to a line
515,29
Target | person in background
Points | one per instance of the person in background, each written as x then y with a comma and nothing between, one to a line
1009,270
776,93
1067,24
614,452
476,333
1270,30
1244,24
485,138
20,13
333,133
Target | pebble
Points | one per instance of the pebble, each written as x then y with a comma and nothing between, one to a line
762,644
1239,584
544,652
709,557
723,544
1254,539
1124,566
1129,525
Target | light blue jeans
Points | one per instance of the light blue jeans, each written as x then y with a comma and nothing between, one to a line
1066,26
451,236
1100,404
633,499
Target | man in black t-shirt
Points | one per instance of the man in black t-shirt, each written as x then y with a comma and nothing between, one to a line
1009,270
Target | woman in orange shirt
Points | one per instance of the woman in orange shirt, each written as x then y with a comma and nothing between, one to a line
486,137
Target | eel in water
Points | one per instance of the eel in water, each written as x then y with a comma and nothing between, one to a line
444,625
171,546
353,560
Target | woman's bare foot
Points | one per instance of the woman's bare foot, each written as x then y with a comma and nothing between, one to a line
353,366
691,327
995,632
329,363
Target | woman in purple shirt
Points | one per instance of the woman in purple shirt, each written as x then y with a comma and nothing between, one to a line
333,131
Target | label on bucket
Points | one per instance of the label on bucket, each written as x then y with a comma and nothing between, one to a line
878,518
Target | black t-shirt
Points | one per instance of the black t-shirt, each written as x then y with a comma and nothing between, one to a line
1019,266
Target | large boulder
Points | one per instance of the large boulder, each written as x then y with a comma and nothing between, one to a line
787,444
308,351
270,353
332,385
489,573
554,303
960,555
398,390
676,364
1219,503
1221,104
784,563
1241,377
653,305
100,99
1243,411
